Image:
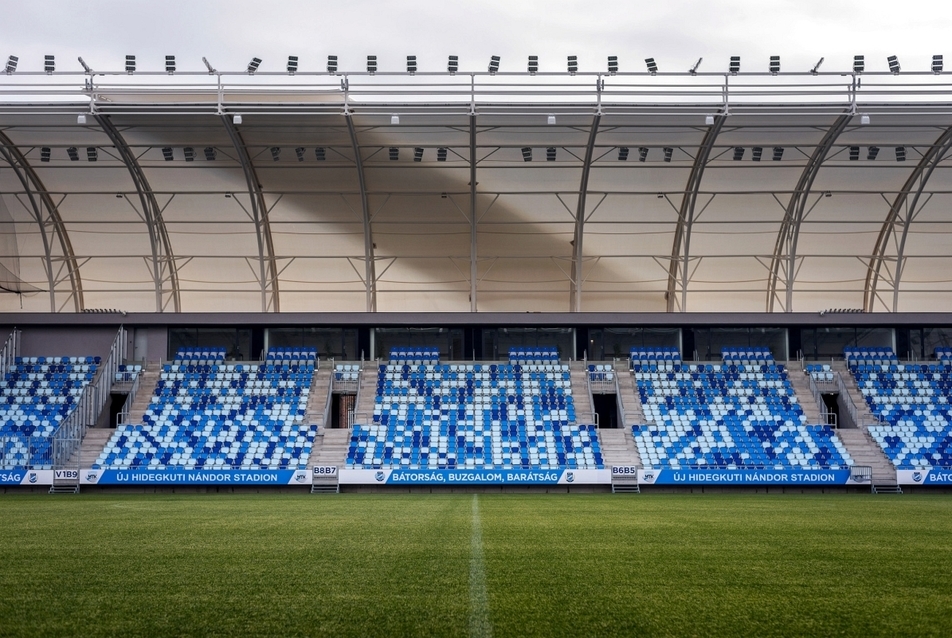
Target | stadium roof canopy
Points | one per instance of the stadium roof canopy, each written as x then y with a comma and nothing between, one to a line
475,192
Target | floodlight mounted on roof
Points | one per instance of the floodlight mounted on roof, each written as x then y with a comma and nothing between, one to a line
49,63
299,151
418,154
734,67
130,64
854,153
668,152
411,64
652,66
774,65
494,64
893,62
92,154
872,152
613,64
45,154
170,64
859,63
11,64
208,65
526,154
73,154
319,153
693,69
642,153
816,67
756,153
937,64
394,153
253,65
167,153
738,153
533,64
777,153
275,153
550,154
210,153
292,64
452,64
371,64
623,154
332,64
900,153
189,154
441,154
572,63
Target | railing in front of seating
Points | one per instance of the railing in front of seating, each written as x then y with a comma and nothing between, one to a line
123,416
9,353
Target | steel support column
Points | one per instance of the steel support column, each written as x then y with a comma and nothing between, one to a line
578,254
267,264
915,183
164,270
473,254
50,220
785,250
681,247
370,270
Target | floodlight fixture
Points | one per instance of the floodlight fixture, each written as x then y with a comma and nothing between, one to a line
418,154
937,64
652,66
550,154
441,154
292,64
45,154
12,64
394,119
572,63
756,153
170,64
275,153
526,154
859,63
189,154
167,153
642,153
494,64
130,64
394,153
734,65
864,119
411,64
777,153
550,119
85,66
81,118
623,154
872,153
92,154
236,119
319,153
709,120
693,69
299,151
893,62
533,65
613,64
452,64
854,153
208,65
253,65
738,153
332,64
816,67
774,65
668,152
210,153
371,64
900,153
49,63
73,154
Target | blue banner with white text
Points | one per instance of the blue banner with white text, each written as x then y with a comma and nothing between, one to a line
194,477
787,476
934,476
473,477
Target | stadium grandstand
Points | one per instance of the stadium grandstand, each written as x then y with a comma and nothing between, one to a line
587,280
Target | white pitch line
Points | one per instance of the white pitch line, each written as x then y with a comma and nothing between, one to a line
479,625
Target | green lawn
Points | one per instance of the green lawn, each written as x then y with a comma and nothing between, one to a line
382,565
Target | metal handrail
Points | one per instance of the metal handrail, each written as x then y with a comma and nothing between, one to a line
9,352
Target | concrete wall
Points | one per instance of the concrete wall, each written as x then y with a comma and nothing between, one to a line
64,341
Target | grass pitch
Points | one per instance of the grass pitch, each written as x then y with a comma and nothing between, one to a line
455,565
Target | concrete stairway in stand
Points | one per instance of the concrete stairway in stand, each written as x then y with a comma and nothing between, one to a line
630,399
865,451
862,410
317,397
618,447
367,393
580,397
330,447
89,450
149,378
801,387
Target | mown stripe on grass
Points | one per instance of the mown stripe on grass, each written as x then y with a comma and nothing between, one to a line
479,625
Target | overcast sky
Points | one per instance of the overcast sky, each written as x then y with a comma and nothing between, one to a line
676,32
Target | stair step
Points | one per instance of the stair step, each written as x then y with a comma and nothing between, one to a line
626,488
64,489
886,489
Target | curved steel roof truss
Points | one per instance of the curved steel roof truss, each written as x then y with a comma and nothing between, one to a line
578,253
370,274
59,270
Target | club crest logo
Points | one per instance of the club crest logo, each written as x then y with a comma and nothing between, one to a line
570,477
917,476
32,477
380,476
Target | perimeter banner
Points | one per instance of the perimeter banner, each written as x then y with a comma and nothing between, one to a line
743,477
194,477
26,477
474,477
924,477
